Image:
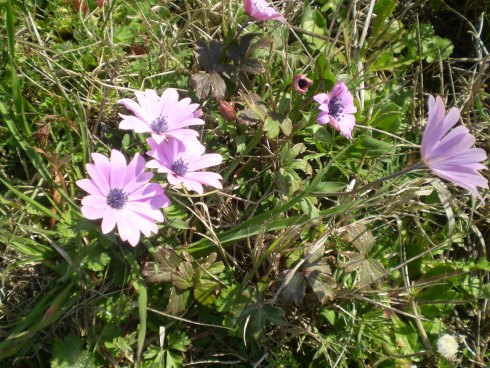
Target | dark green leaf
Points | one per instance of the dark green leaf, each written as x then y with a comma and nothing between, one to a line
209,83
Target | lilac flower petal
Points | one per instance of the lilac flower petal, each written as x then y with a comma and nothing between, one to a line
462,158
148,191
434,128
127,231
93,213
321,98
155,164
145,101
183,108
261,10
99,179
145,225
118,169
169,98
187,122
159,138
323,118
192,148
89,186
346,125
137,110
152,101
138,182
208,178
103,168
211,159
188,183
95,201
135,168
130,122
109,220
142,209
457,139
182,134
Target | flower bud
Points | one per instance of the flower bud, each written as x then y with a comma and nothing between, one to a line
227,110
301,83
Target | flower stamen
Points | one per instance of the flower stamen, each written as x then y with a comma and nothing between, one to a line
180,167
116,198
160,124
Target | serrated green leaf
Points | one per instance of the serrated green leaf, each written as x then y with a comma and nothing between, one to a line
183,277
177,302
96,260
205,290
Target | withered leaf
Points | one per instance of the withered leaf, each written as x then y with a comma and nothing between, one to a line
321,282
360,237
370,269
167,262
209,83
177,302
294,290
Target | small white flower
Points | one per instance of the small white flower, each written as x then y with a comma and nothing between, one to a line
447,346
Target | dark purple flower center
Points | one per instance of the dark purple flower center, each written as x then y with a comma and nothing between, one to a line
180,167
303,83
117,198
335,108
160,124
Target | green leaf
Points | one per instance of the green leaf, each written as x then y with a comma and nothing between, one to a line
272,127
68,353
205,288
183,277
383,9
329,315
142,303
368,147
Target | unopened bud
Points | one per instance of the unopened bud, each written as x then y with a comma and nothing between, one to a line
227,110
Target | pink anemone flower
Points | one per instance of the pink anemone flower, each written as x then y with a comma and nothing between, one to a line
121,194
337,108
182,160
450,153
261,10
163,116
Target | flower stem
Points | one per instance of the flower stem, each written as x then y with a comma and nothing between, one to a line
372,184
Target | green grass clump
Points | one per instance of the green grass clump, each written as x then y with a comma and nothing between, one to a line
300,260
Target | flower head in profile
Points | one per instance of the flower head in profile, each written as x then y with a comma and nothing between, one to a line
337,108
447,346
120,194
261,10
301,83
164,116
450,153
182,160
